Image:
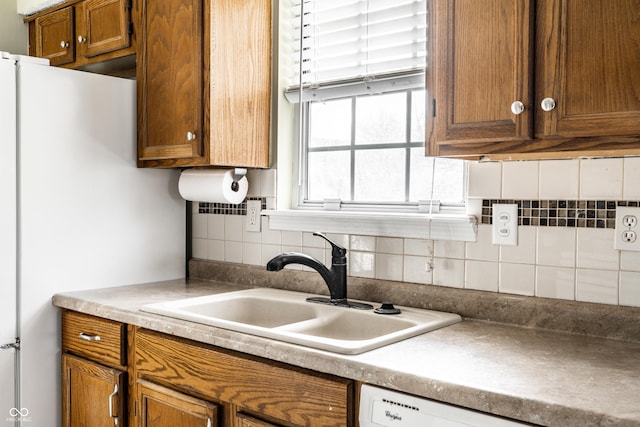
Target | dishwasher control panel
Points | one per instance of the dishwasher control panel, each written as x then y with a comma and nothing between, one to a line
380,407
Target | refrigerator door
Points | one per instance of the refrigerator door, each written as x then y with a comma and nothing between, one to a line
88,217
8,332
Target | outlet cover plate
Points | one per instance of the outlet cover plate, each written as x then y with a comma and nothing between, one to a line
254,208
505,225
627,232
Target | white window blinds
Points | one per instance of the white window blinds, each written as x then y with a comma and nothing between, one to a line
352,47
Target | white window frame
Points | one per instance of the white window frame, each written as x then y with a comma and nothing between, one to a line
448,224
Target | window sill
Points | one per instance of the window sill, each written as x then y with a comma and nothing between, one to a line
406,225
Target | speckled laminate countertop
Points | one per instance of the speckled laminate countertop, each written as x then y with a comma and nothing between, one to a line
538,376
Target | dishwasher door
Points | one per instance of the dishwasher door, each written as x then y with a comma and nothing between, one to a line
385,408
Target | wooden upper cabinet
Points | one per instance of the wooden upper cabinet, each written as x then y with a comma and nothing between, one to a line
589,63
204,83
78,33
170,82
484,64
582,57
54,36
105,27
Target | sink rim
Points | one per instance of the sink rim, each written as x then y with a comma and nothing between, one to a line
294,332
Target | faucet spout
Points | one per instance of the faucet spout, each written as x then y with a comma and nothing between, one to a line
335,278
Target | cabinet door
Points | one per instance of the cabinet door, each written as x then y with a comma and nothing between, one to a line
162,407
104,27
92,395
589,63
55,36
483,64
170,81
240,83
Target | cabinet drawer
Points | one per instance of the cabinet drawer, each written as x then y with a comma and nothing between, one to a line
281,392
98,339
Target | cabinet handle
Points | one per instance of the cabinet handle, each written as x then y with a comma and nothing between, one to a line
111,396
209,422
64,44
191,136
548,104
517,107
81,39
87,337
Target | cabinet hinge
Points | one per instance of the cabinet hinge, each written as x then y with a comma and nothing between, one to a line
130,28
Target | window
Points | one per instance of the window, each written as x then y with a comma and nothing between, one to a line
358,82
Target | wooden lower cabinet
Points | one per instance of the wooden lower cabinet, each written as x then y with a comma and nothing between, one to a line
117,375
244,420
163,407
92,394
253,392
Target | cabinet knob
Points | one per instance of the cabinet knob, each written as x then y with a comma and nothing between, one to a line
517,107
81,39
191,136
64,44
548,104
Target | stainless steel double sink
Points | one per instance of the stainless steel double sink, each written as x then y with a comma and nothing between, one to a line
287,316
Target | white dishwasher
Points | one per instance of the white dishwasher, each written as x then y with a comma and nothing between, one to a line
386,408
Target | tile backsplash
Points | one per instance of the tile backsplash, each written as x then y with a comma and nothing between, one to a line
572,260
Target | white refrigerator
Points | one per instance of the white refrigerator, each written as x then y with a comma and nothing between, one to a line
75,213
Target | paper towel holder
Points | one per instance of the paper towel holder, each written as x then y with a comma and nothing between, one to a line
238,174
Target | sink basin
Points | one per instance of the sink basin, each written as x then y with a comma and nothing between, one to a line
287,316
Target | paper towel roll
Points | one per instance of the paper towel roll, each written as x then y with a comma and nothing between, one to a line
212,185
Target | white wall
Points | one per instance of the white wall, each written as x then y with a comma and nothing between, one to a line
28,7
13,32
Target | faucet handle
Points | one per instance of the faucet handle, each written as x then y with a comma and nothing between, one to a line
336,249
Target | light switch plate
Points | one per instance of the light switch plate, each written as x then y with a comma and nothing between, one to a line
627,232
505,225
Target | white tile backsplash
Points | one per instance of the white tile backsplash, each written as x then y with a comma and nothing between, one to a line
630,288
595,249
362,264
517,279
448,272
556,246
559,179
484,179
483,249
520,180
555,282
525,251
631,179
481,275
599,286
549,262
389,267
215,227
601,178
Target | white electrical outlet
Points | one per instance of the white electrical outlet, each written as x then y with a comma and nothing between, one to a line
505,225
254,207
627,237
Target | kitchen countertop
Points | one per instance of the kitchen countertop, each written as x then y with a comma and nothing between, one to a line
538,376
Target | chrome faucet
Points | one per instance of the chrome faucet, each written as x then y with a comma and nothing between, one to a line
335,278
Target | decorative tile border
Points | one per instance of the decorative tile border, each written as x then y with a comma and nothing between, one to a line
228,208
560,213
